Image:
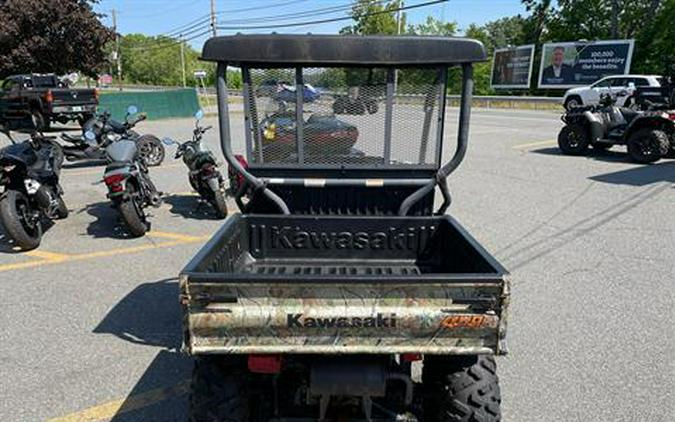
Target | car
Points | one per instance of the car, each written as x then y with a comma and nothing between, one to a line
45,98
613,85
285,91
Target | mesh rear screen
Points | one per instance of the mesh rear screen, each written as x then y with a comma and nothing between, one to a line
347,116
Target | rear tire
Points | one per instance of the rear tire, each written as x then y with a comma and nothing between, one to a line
151,149
132,214
573,140
220,204
463,388
61,209
219,391
648,146
14,206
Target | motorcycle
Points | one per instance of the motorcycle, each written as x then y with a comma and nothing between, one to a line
149,146
128,180
29,175
203,171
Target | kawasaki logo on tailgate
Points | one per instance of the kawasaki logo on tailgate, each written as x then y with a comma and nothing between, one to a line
378,321
393,238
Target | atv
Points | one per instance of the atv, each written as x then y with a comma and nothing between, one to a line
342,291
648,135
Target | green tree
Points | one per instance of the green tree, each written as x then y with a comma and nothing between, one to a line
59,36
375,18
433,26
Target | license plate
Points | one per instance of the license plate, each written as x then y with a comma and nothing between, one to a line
76,108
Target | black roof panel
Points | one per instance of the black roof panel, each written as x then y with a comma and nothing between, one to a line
342,50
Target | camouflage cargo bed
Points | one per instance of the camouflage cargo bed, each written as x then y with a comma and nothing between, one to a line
303,284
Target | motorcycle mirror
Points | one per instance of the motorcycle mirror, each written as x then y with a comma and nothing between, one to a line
89,135
199,114
168,141
132,109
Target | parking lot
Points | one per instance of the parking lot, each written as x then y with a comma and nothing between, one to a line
90,322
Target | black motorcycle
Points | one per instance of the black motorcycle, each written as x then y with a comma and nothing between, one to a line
104,126
29,176
204,176
128,180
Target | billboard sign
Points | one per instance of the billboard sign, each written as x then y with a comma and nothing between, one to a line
512,67
569,64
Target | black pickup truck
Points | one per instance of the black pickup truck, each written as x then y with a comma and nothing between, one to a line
46,99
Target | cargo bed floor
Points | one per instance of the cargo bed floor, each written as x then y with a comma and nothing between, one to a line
333,267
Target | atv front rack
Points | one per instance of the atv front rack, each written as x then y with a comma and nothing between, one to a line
355,74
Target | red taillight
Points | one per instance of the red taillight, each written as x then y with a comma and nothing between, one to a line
264,364
241,160
671,116
49,96
233,174
114,182
208,169
411,357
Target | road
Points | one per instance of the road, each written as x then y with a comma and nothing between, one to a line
90,323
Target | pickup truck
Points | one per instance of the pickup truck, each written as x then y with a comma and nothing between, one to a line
45,99
342,292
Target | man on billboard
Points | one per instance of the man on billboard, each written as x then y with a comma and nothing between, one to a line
558,73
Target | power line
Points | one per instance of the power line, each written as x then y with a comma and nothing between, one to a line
322,21
168,43
317,12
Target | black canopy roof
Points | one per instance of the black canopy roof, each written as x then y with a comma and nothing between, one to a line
342,50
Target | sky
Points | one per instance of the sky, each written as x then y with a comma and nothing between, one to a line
154,17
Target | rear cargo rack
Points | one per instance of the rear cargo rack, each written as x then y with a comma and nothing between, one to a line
373,84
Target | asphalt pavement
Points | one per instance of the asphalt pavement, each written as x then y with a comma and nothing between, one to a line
90,323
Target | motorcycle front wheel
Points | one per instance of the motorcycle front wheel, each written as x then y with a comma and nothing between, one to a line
20,219
219,203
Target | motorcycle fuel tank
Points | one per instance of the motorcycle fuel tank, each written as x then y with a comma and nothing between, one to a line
123,150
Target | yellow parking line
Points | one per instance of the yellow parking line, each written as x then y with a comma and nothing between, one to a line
117,407
535,144
176,236
50,258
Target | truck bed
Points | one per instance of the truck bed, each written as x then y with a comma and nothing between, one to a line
305,284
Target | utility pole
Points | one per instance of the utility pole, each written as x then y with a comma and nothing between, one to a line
398,32
117,49
182,58
214,31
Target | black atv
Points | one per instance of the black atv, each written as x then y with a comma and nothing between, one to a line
648,135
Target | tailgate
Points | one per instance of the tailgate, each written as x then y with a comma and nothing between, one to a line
461,317
73,97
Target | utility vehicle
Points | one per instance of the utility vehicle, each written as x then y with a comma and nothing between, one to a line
340,292
648,135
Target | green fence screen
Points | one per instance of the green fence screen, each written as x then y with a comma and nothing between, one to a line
157,104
